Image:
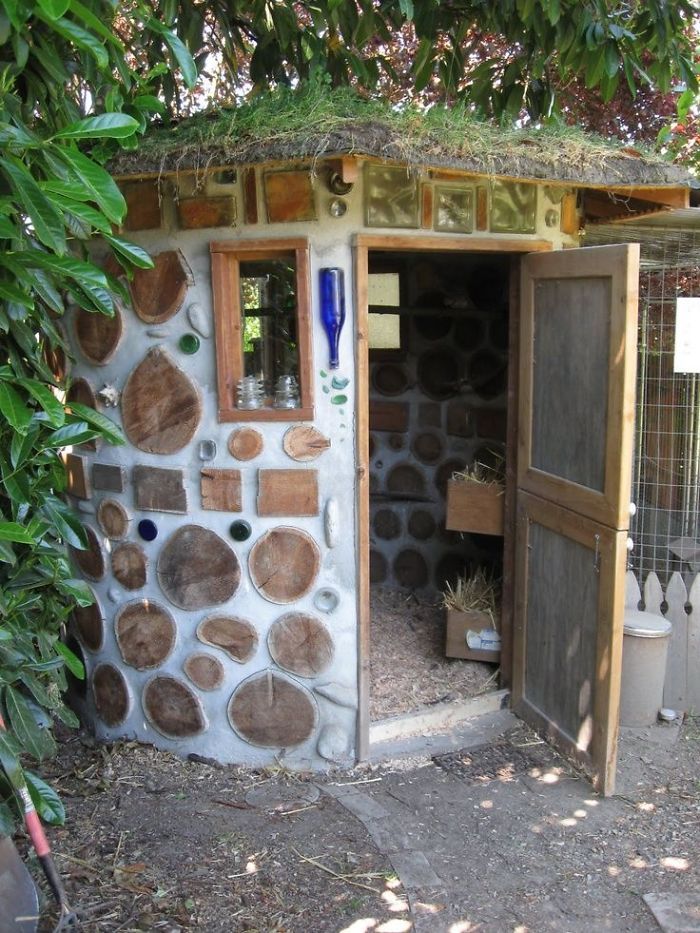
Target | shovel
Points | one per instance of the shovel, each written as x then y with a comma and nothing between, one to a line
19,904
67,919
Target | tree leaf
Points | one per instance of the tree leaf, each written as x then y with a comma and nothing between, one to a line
45,799
73,662
106,125
14,408
72,434
80,37
47,221
35,740
107,428
101,186
54,409
54,9
11,531
65,522
136,255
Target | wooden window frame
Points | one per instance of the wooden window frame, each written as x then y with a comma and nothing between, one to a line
226,257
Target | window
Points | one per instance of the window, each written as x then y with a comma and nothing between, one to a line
263,330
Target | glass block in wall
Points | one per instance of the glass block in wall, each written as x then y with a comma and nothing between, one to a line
454,209
513,208
391,197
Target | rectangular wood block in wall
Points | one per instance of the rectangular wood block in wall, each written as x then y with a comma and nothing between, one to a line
250,196
142,205
221,490
157,489
199,213
108,477
77,478
388,416
288,492
289,197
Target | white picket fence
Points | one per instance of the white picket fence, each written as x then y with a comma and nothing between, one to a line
681,606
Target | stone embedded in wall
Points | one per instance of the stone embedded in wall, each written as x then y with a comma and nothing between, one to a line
287,493
333,744
113,519
158,293
301,644
201,213
81,391
129,565
221,490
197,569
427,447
410,569
89,624
439,374
331,522
289,196
245,443
173,708
284,563
91,560
142,204
199,320
387,524
407,481
388,416
111,694
145,633
161,407
77,477
304,442
98,335
157,489
237,637
108,477
204,670
271,711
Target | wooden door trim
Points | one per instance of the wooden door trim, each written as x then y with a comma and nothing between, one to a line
611,506
447,244
609,551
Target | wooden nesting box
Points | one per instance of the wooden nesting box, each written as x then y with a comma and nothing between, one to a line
476,507
458,625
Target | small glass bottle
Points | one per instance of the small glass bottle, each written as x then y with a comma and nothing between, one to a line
333,309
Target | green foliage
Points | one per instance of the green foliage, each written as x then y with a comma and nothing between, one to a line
70,96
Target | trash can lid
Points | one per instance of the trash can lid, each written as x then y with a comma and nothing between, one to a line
645,624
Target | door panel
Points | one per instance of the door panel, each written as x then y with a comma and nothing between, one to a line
577,368
575,435
568,631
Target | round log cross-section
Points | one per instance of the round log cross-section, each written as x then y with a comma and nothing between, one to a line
439,374
145,633
245,443
98,335
81,392
89,624
111,694
205,671
301,644
158,293
129,565
161,407
271,711
173,708
304,442
113,519
91,560
197,569
284,563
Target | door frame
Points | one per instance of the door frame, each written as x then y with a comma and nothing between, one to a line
362,244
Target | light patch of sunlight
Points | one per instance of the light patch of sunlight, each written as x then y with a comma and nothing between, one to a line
585,734
568,821
393,882
646,807
675,863
420,907
251,866
614,871
395,902
536,828
395,926
591,803
581,814
486,804
462,926
360,926
521,929
550,777
638,862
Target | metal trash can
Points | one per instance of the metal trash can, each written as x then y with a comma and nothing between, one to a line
644,650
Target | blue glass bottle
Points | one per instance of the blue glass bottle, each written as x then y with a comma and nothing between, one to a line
333,309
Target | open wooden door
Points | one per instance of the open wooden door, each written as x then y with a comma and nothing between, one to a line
575,435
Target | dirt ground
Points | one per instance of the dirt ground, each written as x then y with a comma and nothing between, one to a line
408,667
156,843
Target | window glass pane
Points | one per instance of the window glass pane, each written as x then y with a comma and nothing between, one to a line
384,332
270,349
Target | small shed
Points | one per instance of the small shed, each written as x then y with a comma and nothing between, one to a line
345,308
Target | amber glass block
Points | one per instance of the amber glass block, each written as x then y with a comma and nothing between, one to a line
513,208
454,209
391,197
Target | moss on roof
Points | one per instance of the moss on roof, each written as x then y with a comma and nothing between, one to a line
317,122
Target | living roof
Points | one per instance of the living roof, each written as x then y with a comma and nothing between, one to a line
316,123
